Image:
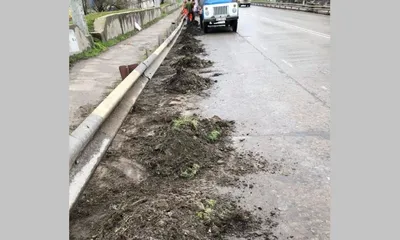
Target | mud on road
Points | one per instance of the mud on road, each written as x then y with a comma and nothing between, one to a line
158,178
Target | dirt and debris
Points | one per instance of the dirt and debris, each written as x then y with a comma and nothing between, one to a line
183,67
186,81
178,159
190,49
217,74
187,44
193,29
157,179
191,61
186,143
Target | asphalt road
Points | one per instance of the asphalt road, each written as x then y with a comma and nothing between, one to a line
276,87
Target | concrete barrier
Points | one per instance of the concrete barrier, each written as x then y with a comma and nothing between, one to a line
78,42
171,7
113,25
146,4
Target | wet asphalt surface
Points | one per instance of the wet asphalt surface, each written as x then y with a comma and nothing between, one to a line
276,86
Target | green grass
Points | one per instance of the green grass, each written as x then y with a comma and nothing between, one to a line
185,121
205,214
214,135
100,47
191,171
211,203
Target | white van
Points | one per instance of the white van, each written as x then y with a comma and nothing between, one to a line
246,3
220,12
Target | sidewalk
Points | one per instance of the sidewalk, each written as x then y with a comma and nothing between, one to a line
91,80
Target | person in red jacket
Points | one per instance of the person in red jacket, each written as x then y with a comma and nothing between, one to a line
184,11
189,9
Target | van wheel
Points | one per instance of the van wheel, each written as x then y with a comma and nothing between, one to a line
234,25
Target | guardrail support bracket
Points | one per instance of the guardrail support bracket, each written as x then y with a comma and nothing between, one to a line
126,70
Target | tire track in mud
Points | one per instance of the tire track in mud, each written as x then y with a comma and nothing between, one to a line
158,178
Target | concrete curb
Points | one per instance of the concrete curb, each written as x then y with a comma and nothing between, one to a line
82,135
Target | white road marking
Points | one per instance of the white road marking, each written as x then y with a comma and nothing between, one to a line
287,63
299,28
296,27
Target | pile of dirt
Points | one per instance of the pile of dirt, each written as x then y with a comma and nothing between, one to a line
185,38
185,63
160,210
192,62
193,28
188,44
184,147
190,49
178,152
186,81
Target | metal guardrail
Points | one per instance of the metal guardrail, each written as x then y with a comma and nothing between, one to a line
297,7
89,142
